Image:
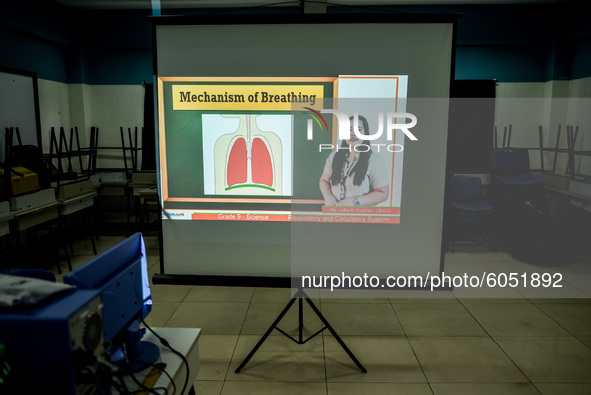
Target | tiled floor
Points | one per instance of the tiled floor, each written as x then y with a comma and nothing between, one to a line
500,341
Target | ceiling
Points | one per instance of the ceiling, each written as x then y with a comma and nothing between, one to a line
186,4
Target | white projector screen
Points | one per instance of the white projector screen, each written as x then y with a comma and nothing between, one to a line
248,228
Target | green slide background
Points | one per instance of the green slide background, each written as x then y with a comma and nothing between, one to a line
184,146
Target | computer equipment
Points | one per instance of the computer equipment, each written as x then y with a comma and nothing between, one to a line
57,346
120,275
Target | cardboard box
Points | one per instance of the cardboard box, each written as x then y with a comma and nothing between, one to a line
76,189
23,181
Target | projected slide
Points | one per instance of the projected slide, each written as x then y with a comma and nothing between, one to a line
306,149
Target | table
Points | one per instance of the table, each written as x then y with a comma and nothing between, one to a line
4,221
149,197
44,217
29,218
138,190
185,341
4,230
5,217
77,203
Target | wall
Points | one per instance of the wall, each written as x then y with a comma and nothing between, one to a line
113,107
540,57
90,68
91,63
108,107
54,109
527,106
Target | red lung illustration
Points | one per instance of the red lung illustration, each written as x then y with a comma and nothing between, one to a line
262,167
236,173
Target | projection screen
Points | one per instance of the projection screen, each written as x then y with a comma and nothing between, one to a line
245,131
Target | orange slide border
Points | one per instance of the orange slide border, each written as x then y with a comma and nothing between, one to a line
162,133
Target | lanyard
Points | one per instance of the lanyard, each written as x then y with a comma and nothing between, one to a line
345,171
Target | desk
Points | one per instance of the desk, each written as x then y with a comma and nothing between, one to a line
75,205
5,216
137,187
149,197
185,341
139,191
113,202
4,221
577,199
26,219
4,230
44,218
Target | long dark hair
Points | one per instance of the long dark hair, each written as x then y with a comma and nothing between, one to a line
360,169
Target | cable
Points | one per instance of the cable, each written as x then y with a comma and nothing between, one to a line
166,344
124,391
144,388
120,387
242,9
137,382
162,367
361,7
300,3
141,385
96,380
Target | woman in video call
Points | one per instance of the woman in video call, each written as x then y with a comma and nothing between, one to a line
352,177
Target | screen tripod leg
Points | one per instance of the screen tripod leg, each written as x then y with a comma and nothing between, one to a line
260,343
336,336
299,296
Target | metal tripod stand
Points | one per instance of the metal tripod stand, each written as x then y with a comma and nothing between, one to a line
300,296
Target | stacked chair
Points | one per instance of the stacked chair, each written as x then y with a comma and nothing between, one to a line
469,210
512,182
525,222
